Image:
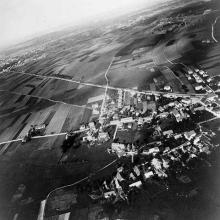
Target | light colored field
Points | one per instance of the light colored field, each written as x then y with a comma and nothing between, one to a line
176,50
9,132
58,120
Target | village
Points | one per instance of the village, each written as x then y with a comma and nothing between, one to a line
154,135
158,134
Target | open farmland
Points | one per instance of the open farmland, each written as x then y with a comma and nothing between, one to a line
37,160
30,111
85,58
57,90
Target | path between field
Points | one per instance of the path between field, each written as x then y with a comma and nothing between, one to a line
147,92
43,98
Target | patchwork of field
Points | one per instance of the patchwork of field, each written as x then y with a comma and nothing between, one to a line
142,59
85,58
56,90
16,117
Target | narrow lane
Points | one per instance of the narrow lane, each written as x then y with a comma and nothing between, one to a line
43,98
106,87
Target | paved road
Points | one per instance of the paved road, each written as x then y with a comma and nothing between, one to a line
213,29
44,136
106,87
63,79
117,88
212,119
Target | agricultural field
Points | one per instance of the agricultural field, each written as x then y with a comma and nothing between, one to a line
57,117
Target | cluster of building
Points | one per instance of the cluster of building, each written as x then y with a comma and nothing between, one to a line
136,110
212,103
93,133
129,109
151,163
35,130
157,162
206,84
200,80
174,112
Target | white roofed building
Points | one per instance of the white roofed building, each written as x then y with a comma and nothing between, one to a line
137,184
186,101
118,148
167,88
163,114
198,87
168,133
148,118
127,120
190,71
149,174
92,125
190,135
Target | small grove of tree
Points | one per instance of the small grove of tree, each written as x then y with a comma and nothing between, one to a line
74,141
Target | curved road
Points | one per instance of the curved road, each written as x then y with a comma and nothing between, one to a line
213,29
41,214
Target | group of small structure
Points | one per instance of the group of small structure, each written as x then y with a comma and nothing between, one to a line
201,80
157,163
35,130
171,151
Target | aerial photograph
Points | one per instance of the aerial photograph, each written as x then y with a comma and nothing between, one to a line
110,110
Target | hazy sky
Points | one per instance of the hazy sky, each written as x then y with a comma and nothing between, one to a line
22,18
